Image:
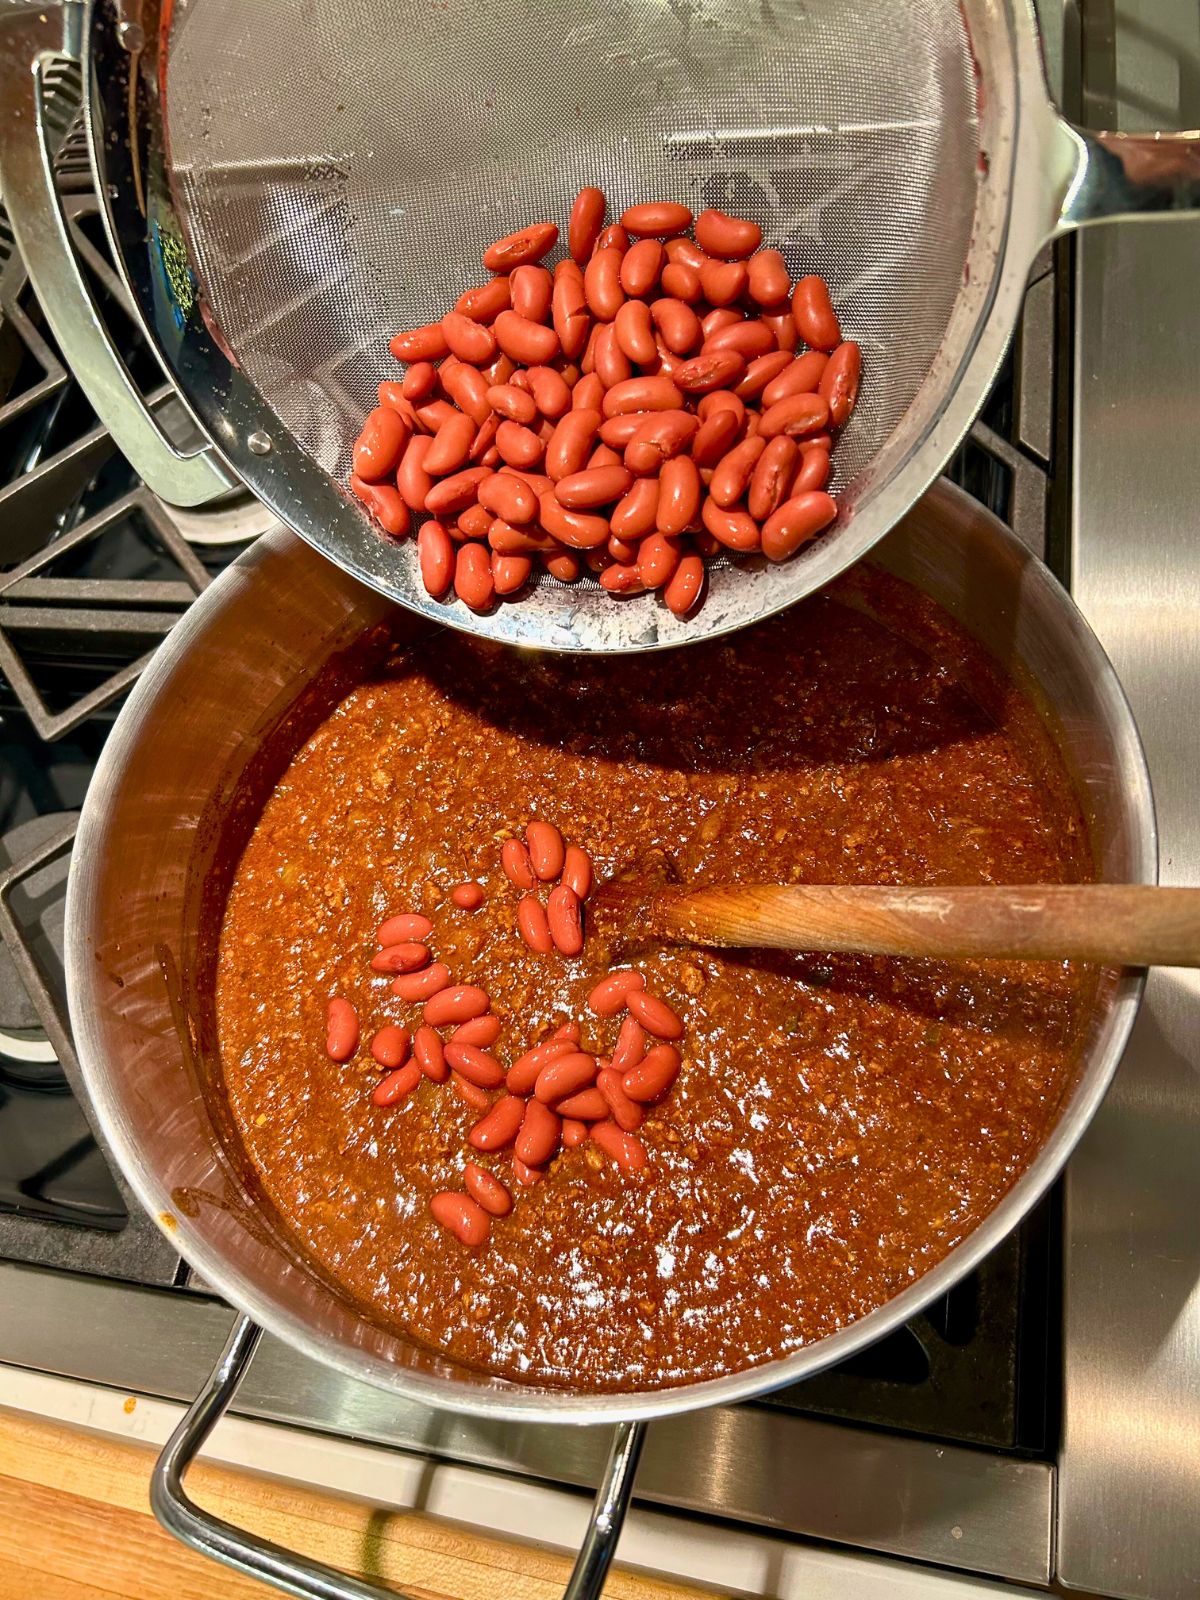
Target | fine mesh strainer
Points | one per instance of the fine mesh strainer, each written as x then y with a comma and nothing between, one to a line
291,181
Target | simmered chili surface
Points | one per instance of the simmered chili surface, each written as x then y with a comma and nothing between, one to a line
839,1123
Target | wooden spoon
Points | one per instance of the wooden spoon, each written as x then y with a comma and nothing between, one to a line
1133,925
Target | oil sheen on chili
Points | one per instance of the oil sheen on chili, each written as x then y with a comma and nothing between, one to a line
839,1122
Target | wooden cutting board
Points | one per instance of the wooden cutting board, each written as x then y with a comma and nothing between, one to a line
75,1524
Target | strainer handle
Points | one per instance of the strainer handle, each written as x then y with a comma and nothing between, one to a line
29,35
1129,175
311,1580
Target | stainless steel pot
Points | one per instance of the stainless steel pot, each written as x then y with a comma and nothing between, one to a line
914,139
239,684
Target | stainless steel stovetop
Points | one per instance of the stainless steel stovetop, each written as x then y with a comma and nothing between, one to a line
1004,1433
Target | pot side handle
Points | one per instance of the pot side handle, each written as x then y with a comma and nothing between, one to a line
298,1575
29,35
1110,176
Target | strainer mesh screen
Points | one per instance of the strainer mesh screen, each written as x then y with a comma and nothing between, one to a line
341,167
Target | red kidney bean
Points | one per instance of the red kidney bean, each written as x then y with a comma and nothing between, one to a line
417,986
620,578
642,394
485,303
435,553
784,325
390,1046
419,382
456,492
656,219
392,1089
505,540
473,582
546,849
641,266
459,1214
769,283
655,1015
486,1190
529,342
429,1055
518,868
587,219
683,592
636,513
797,521
533,926
733,472
626,1149
718,431
475,1065
406,957
657,437
531,291
566,1075
734,529
568,1030
578,529
634,331
380,444
762,371
516,249
433,413
603,456
571,443
404,925
839,382
469,1093
612,365
772,476
475,521
815,441
587,394
731,238
525,1174
540,1132
512,403
451,447
602,284
609,995
630,1046
550,392
510,573
385,504
594,486
679,495
626,1113
563,566
658,558
795,415
572,322
718,369
618,431
813,473
518,446
479,1031
650,1078
749,339
341,1030
589,1105
723,282
470,341
801,376
458,1004
678,324
523,1073
680,282
813,313
420,344
393,397
613,237
686,252
509,498
412,480
564,910
574,1133
577,870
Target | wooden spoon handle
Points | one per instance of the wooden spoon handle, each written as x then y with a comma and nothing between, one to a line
1134,925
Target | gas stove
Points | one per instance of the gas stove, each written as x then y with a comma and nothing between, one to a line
986,1420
